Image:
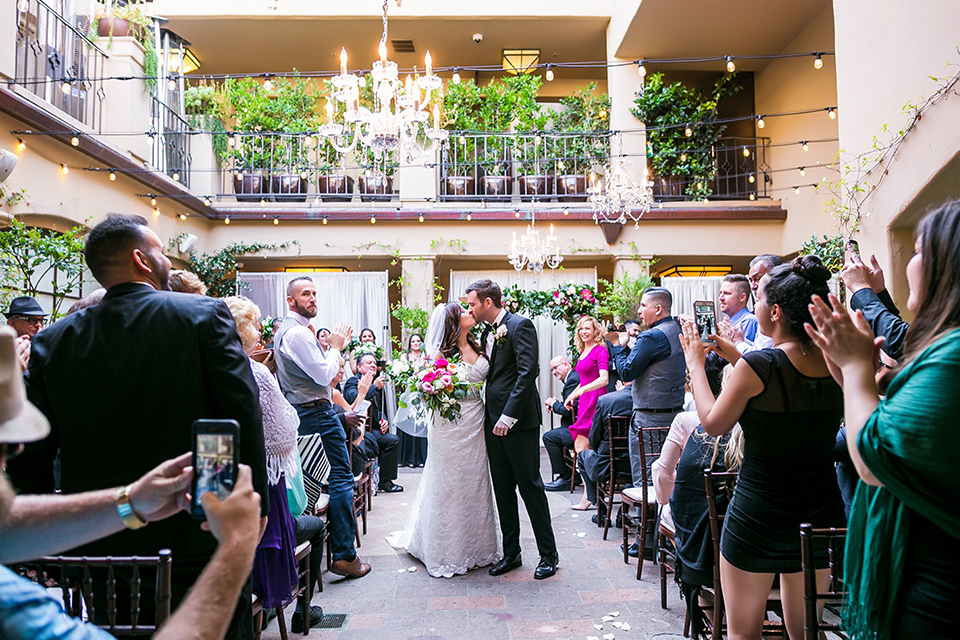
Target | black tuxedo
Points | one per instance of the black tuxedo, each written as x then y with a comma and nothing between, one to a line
515,457
383,446
556,439
121,384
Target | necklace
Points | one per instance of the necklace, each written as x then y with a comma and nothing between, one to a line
796,342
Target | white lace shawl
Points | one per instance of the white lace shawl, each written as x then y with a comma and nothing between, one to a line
280,424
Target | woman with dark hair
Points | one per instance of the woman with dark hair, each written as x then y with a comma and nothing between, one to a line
902,556
453,526
411,422
790,409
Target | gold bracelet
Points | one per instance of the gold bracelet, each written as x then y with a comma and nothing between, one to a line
130,519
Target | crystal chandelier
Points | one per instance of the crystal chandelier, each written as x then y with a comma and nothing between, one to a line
400,115
530,252
617,197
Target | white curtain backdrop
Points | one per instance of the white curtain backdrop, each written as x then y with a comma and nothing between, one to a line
551,335
360,299
686,291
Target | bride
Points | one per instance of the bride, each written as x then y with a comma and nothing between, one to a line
453,526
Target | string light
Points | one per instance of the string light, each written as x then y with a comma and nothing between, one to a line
316,200
113,177
831,113
805,146
421,217
303,174
803,171
262,201
516,214
752,179
276,221
550,74
150,135
226,220
373,219
688,131
64,169
469,217
730,66
683,157
172,83
566,211
176,176
463,140
153,201
641,69
183,217
230,140
156,212
21,145
796,190
23,6
760,123
65,87
206,201
753,196
456,75
818,60
268,83
75,141
746,151
324,219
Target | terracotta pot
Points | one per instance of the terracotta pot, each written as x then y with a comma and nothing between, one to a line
496,187
288,188
119,26
572,188
668,186
534,187
334,187
459,187
249,187
376,188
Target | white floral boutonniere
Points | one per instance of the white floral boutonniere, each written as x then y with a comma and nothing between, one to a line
501,334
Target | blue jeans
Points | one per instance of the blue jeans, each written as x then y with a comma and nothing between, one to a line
321,419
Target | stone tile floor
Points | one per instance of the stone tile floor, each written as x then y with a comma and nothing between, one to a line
592,583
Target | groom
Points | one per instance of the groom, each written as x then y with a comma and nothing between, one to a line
512,427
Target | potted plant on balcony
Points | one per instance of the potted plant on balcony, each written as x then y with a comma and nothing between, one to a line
461,107
204,111
581,140
376,181
681,164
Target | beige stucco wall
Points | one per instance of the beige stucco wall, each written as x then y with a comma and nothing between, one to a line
793,84
917,40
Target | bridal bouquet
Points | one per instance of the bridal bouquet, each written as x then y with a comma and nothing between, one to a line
439,384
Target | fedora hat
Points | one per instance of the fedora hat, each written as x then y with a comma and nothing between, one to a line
25,306
20,421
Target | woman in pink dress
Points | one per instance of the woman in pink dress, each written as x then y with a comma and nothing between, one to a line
592,367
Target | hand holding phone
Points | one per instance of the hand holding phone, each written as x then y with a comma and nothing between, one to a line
216,451
705,317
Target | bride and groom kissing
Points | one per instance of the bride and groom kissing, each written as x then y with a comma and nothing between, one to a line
490,452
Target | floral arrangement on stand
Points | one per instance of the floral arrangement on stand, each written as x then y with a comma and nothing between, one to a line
439,384
268,328
567,303
356,348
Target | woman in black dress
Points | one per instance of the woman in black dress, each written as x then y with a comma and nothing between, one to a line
790,411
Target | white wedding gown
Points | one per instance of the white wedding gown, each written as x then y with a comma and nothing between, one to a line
453,525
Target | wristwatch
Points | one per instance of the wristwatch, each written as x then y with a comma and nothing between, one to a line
130,519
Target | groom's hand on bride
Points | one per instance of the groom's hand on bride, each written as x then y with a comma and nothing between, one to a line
500,429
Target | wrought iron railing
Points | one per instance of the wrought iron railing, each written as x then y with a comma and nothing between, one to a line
739,166
56,62
169,138
295,167
528,166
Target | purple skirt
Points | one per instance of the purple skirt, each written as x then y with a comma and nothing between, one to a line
275,566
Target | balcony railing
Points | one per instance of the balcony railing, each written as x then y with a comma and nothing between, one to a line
529,166
57,62
736,176
170,136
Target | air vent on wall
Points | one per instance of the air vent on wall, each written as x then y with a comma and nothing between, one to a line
403,46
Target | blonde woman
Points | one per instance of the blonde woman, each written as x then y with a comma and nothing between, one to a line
593,369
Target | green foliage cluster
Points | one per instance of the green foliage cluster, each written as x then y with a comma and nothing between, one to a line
620,299
28,255
586,112
141,27
218,270
412,319
9,196
567,303
204,111
830,251
666,109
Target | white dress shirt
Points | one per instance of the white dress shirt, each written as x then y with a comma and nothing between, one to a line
300,345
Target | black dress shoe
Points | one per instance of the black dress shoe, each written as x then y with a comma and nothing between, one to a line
268,615
557,485
546,568
633,550
390,487
509,563
296,622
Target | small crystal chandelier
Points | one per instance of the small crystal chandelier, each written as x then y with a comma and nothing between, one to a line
618,197
400,113
533,254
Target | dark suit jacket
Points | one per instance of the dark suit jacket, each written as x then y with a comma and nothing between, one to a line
884,318
122,383
618,403
512,381
374,395
566,416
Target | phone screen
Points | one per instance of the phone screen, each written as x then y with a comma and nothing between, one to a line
214,459
705,315
854,246
362,409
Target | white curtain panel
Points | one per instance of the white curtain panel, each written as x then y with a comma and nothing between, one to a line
360,299
552,336
686,291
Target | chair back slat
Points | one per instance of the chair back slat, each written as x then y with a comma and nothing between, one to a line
87,590
164,575
111,594
716,514
651,444
835,539
135,596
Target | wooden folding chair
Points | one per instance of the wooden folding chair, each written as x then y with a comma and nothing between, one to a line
812,614
651,441
618,439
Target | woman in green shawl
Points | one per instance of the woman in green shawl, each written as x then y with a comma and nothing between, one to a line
903,556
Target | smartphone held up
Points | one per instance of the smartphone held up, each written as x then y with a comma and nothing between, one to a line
705,315
216,453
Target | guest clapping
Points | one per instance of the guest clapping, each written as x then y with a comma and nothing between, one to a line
385,443
902,556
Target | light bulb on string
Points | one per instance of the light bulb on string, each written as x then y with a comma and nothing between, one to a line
183,217
803,171
421,217
176,176
683,157
230,140
206,201
805,146
516,214
456,75
276,221
239,174
641,69
268,84
753,196
818,60
156,212
303,174
65,87
263,202
746,151
172,84
324,219
832,113
113,177
153,201
75,141
566,211
373,219
688,131
463,141
550,74
150,139
21,145
731,67
760,123
752,179
23,6
469,217
226,220
796,190
64,169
